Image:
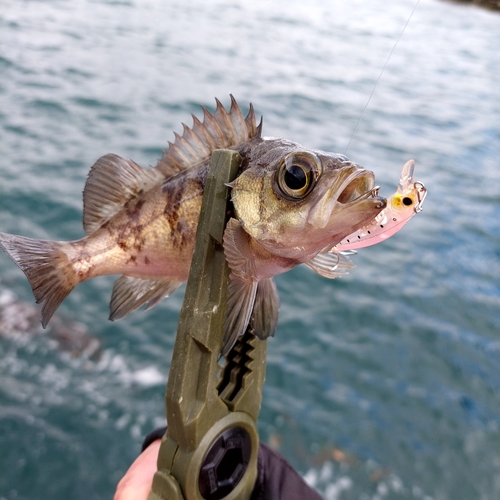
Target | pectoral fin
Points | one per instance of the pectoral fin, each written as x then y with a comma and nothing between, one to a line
331,264
131,293
243,284
264,318
251,301
239,309
238,252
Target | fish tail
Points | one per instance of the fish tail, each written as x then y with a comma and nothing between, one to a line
47,268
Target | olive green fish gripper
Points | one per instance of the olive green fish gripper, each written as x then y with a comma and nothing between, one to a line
209,451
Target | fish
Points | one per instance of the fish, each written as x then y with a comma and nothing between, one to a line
290,204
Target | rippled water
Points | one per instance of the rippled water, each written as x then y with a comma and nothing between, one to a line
384,384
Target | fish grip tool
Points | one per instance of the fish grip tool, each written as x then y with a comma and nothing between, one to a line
209,451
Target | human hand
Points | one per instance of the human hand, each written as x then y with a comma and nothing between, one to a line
136,483
276,478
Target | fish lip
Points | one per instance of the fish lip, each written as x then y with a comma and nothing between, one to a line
361,183
358,186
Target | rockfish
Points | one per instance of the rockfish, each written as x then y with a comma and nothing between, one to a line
291,206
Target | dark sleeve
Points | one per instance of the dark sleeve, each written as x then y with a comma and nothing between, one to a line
153,436
276,478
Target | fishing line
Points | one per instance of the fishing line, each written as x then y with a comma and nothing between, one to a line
381,73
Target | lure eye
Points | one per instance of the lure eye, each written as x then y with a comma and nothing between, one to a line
407,201
297,174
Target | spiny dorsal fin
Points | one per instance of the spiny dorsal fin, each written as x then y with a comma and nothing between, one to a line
219,130
111,183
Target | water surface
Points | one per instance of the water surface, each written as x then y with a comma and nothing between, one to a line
384,384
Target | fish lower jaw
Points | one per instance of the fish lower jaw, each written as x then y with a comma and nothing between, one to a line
337,217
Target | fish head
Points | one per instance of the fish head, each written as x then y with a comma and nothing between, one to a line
297,202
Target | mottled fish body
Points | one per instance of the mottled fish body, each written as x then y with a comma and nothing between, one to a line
291,205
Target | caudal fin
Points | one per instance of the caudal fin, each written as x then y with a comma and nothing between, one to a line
46,266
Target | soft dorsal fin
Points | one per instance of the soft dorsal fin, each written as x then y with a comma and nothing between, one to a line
111,183
219,130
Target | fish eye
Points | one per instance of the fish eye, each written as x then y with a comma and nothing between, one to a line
295,177
407,201
297,174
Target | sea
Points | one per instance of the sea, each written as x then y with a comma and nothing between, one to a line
383,384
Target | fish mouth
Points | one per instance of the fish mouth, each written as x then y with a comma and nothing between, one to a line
346,197
359,187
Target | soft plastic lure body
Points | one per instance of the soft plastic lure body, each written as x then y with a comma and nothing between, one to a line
401,207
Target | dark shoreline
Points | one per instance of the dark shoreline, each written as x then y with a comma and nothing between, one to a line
487,4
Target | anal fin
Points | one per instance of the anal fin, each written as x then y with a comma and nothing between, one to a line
131,293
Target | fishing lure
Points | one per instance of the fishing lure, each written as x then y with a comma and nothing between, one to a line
401,207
